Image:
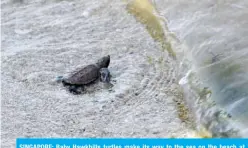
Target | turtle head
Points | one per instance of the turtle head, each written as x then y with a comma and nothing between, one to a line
103,62
104,75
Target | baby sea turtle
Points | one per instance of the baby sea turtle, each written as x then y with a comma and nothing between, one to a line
87,75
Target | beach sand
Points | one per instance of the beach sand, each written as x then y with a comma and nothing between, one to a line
42,40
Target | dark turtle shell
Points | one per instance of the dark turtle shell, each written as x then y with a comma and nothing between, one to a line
85,75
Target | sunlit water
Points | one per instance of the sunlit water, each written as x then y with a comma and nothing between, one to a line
215,34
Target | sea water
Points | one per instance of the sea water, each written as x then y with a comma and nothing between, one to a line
214,63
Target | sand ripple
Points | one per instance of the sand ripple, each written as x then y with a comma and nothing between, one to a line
57,42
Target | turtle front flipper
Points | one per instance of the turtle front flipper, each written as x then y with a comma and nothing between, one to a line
76,90
105,75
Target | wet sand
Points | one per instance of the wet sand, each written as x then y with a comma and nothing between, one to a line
43,40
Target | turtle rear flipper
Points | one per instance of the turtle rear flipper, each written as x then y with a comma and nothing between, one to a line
59,79
65,83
